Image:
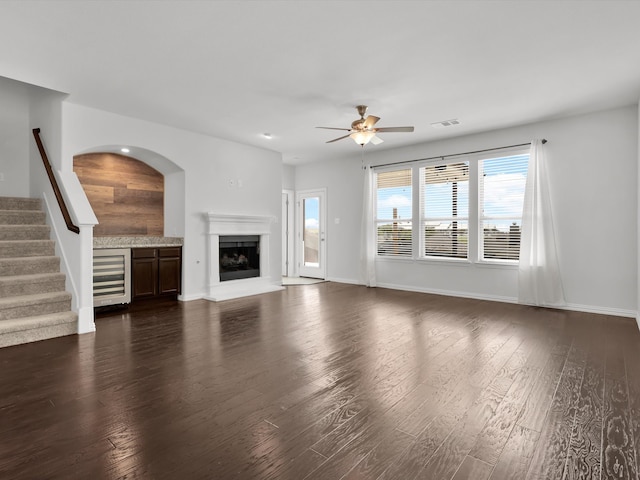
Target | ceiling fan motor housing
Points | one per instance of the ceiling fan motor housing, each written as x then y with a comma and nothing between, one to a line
357,124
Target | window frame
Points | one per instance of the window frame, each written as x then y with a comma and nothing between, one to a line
377,220
423,219
474,217
504,153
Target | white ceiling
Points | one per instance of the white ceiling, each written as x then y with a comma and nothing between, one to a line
238,69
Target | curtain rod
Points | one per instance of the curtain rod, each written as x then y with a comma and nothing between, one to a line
544,140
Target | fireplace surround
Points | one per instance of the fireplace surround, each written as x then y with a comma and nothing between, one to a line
222,227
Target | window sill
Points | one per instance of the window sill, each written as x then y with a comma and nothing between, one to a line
497,264
394,259
451,262
454,262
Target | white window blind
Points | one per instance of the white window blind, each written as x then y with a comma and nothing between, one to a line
445,210
394,213
502,184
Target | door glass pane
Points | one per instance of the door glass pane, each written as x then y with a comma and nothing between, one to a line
311,213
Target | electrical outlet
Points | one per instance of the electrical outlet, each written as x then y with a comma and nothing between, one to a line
1,177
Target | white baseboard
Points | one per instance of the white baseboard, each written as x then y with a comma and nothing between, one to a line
191,297
617,312
350,281
449,293
638,321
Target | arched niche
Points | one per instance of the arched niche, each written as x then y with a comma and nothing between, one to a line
137,182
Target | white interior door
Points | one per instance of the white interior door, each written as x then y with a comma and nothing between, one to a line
312,249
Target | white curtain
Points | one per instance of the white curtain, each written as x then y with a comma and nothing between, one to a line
539,281
367,231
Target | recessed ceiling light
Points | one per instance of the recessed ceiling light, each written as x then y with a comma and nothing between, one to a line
267,135
125,150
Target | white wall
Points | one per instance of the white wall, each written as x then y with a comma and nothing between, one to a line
219,176
288,177
45,113
594,182
14,138
343,180
174,198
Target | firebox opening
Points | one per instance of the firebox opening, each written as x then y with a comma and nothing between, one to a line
239,257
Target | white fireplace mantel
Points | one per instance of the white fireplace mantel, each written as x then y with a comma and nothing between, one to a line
225,224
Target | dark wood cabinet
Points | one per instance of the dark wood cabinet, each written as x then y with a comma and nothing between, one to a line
144,273
155,272
169,270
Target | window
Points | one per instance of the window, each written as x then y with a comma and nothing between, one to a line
502,183
394,213
469,209
445,210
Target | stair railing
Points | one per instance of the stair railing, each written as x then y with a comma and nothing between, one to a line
54,183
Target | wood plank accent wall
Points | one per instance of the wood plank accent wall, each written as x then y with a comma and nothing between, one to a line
126,195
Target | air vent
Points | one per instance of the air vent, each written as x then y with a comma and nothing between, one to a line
446,123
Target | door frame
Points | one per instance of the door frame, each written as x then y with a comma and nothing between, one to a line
288,233
321,272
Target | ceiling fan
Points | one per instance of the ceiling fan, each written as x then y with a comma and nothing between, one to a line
363,129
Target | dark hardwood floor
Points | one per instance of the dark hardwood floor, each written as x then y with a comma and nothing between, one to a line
327,381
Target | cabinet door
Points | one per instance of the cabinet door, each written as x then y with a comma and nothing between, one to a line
144,277
169,275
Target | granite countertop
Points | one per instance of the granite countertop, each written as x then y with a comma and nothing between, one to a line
133,242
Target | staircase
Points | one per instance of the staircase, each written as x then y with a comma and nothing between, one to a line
33,302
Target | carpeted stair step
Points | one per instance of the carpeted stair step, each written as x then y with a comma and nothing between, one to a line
19,203
24,232
27,248
32,305
33,302
39,327
22,217
31,284
28,265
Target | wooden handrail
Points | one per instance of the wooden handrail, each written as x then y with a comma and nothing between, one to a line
54,183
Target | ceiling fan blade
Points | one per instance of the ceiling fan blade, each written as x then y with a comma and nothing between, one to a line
376,140
370,121
332,128
336,139
394,129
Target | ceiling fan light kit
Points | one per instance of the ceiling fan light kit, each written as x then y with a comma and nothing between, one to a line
363,130
362,137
